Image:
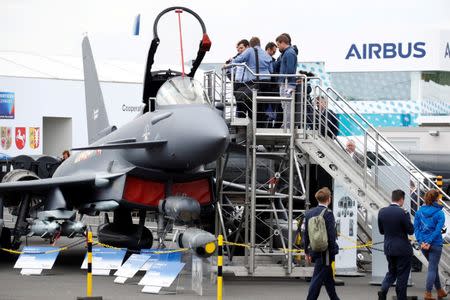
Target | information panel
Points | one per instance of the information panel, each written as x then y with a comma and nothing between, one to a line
175,256
162,273
34,259
105,259
131,266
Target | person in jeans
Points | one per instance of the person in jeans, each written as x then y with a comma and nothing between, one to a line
286,64
428,224
259,62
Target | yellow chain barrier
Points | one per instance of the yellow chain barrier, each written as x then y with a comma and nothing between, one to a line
60,249
236,244
105,245
11,251
171,251
154,252
367,245
291,250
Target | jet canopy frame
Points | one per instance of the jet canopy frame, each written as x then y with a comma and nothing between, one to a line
153,81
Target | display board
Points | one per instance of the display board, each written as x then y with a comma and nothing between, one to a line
154,257
160,274
104,260
346,215
34,259
133,264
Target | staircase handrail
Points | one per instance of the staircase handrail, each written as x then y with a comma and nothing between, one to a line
380,136
385,140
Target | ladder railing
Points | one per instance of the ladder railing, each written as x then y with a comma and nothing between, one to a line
377,152
231,82
381,147
290,151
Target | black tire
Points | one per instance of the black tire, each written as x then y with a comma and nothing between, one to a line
114,235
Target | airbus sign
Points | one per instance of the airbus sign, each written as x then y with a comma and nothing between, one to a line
387,50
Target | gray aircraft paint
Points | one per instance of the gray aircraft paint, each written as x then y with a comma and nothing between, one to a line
175,140
97,118
170,144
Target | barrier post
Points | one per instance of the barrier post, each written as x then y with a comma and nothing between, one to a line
439,183
89,262
89,269
219,267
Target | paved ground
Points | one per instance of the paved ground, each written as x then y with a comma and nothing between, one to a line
67,281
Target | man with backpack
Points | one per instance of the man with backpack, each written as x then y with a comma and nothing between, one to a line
320,245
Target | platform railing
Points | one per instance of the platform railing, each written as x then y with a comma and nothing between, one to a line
382,147
350,125
376,152
239,94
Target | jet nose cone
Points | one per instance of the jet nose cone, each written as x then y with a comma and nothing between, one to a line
196,135
207,137
213,138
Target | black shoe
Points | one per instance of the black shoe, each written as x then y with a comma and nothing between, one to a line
382,295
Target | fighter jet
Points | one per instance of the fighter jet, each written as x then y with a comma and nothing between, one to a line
153,163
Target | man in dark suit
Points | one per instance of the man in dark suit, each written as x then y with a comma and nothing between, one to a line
323,273
350,147
395,224
326,121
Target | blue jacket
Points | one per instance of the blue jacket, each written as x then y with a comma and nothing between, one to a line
333,247
395,224
428,224
248,57
287,64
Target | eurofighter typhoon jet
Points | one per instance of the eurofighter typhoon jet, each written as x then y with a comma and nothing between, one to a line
153,163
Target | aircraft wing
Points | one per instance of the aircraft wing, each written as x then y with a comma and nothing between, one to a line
45,184
125,144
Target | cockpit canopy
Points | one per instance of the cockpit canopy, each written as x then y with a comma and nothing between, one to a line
181,90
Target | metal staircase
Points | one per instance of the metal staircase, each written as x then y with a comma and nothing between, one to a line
316,136
362,181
